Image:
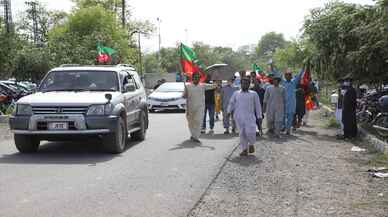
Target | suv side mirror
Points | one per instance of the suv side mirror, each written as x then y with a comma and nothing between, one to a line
129,87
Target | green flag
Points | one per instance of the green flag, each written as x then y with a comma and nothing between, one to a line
256,68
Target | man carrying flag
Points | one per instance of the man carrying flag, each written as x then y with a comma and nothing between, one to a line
305,83
194,92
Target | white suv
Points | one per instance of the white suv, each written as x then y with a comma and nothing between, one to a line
107,102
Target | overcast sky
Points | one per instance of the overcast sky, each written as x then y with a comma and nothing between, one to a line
230,23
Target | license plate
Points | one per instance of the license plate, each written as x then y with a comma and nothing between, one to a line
58,126
163,104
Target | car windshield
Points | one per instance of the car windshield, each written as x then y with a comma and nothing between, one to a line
171,87
80,81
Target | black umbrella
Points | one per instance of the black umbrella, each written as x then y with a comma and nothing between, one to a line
220,72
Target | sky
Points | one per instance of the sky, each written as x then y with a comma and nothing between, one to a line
232,23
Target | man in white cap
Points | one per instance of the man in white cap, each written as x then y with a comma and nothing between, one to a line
245,106
274,107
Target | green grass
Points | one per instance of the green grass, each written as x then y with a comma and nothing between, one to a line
332,123
380,160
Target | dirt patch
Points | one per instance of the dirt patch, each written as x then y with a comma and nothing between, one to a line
307,174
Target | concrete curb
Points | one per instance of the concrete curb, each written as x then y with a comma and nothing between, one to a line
4,119
377,143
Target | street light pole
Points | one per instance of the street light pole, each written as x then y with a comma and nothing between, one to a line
159,56
139,32
186,35
140,61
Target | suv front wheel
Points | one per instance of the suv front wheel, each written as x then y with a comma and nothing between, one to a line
26,144
115,142
141,133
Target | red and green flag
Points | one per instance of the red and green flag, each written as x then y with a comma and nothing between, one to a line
306,77
104,54
190,63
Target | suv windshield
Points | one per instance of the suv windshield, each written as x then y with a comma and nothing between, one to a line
80,81
171,87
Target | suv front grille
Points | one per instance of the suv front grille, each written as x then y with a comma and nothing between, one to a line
59,110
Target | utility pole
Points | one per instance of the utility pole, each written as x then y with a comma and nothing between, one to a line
7,16
123,12
34,15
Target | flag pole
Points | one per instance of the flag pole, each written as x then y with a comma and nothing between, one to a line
181,66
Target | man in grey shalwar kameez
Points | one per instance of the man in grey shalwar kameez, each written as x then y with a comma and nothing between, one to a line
227,92
245,105
274,107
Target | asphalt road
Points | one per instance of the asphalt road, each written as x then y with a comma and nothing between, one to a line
163,176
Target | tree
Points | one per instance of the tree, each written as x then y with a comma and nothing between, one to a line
268,45
35,12
290,57
31,63
151,63
350,39
75,40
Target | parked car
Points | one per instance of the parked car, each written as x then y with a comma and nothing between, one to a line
18,86
168,96
102,102
12,92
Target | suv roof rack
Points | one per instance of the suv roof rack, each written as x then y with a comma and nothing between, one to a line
69,65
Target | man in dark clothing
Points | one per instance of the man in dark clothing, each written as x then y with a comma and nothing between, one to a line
256,86
300,106
209,108
349,110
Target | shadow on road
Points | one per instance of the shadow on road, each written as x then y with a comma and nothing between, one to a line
64,153
218,136
188,144
245,161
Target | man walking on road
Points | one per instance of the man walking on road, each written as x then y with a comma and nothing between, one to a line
195,106
260,92
274,106
349,110
209,109
227,92
289,85
245,105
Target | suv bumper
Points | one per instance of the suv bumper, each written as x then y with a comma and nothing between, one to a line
81,125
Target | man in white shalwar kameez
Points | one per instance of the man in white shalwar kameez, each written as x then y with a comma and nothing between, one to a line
195,105
245,106
274,106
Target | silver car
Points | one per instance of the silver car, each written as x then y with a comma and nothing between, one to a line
168,96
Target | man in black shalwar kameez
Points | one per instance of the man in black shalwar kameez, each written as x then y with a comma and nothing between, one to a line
349,110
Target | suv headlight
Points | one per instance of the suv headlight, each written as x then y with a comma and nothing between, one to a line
23,109
105,109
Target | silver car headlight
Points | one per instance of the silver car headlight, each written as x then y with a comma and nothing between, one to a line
23,109
105,109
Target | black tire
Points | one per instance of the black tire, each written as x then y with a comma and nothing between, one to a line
140,134
26,144
116,142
